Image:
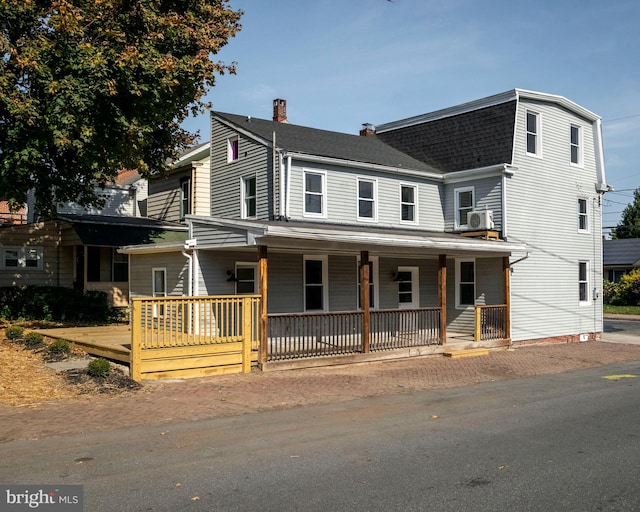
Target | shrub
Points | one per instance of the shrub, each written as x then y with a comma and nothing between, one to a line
60,347
14,332
33,339
99,367
629,289
54,304
609,292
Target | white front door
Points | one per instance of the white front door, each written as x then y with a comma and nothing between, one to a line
408,292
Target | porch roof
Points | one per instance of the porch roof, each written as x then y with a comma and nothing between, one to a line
342,238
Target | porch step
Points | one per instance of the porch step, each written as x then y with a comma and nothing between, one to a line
470,352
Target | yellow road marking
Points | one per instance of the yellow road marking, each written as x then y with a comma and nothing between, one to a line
616,377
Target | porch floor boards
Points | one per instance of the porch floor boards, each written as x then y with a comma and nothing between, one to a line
110,341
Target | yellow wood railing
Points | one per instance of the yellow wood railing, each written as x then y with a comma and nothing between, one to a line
491,322
193,336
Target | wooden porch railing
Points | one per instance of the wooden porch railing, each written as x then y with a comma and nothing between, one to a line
301,335
491,322
189,336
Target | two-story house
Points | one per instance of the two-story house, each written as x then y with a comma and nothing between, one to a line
480,221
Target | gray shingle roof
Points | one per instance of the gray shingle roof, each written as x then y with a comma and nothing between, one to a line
312,141
623,252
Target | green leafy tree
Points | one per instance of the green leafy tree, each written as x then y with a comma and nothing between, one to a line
88,87
629,225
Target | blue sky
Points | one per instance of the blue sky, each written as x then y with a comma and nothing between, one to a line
343,63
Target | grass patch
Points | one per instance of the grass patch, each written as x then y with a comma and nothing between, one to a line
622,310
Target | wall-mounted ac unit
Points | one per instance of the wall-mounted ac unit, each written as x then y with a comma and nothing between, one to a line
480,220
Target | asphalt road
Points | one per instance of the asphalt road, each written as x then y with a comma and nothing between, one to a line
622,331
567,442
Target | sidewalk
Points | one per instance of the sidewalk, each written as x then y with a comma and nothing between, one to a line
161,402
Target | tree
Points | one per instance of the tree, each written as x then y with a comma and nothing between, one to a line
89,87
629,225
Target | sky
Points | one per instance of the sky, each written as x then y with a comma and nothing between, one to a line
340,64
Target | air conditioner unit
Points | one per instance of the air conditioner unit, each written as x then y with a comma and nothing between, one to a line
480,220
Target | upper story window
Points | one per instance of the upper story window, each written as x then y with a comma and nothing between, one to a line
249,195
576,144
315,196
583,282
22,257
464,204
315,283
233,152
533,133
583,215
408,198
185,197
367,199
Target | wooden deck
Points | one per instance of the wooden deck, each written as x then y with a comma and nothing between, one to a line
110,341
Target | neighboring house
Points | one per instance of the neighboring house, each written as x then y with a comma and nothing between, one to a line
620,257
493,202
78,249
185,189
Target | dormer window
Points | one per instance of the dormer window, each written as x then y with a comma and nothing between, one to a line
232,149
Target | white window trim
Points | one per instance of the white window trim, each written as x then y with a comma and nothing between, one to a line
415,287
538,153
374,200
158,312
247,264
456,204
185,211
22,257
325,280
588,283
459,282
587,215
580,162
376,281
243,196
230,159
305,213
415,202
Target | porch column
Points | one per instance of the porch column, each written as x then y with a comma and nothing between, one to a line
506,286
364,300
262,290
442,296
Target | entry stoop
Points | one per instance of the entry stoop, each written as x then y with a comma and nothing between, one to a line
470,352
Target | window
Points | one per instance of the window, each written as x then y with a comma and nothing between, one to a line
533,133
583,282
249,197
185,197
373,278
246,278
366,199
314,194
120,267
583,215
408,194
94,264
466,283
159,288
464,204
22,257
315,279
232,149
576,145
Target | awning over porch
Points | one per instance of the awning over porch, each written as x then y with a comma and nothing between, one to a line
342,238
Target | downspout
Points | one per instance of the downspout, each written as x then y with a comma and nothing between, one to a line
504,207
288,187
190,271
274,181
281,205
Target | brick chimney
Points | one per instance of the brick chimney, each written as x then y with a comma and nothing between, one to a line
280,111
368,130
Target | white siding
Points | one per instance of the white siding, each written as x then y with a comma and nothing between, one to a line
542,212
487,195
202,189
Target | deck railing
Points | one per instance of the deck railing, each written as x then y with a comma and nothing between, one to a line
301,335
194,330
491,322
